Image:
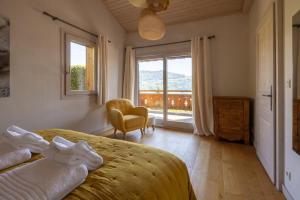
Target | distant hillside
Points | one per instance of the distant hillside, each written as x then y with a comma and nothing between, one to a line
153,80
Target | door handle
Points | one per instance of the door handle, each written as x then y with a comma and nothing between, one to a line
270,96
267,95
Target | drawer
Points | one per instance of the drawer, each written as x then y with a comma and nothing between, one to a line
231,105
231,120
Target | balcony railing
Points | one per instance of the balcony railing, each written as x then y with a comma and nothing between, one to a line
178,101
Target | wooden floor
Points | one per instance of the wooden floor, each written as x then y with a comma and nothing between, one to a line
218,170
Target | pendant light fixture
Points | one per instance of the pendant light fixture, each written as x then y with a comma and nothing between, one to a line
150,25
158,5
139,3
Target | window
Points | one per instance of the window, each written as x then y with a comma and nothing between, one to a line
80,65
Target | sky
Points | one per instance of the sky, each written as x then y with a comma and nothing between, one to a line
78,54
178,66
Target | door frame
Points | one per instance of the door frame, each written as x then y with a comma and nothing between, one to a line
188,127
279,77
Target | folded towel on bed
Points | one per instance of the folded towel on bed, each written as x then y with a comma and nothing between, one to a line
10,156
44,179
67,152
21,139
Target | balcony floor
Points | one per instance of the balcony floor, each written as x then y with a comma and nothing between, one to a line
174,117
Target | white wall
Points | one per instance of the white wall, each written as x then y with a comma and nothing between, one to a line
35,101
229,50
292,160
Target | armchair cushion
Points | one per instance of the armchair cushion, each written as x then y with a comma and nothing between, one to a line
133,121
140,111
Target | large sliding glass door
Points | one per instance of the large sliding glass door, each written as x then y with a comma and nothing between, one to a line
179,89
151,86
165,87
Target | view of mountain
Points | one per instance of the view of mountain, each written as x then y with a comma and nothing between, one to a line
153,80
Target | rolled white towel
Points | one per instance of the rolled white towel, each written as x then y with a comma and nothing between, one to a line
21,138
44,179
67,152
10,156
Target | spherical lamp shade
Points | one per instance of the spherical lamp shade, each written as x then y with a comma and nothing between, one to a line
151,27
139,3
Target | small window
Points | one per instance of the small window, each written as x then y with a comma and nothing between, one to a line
80,65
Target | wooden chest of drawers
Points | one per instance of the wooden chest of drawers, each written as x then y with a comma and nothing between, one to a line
296,126
232,118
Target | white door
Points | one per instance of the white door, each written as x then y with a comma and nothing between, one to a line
265,134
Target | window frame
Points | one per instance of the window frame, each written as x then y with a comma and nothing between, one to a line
84,40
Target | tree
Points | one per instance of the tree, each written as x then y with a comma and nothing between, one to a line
78,80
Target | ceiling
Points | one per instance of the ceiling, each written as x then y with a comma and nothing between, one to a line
179,11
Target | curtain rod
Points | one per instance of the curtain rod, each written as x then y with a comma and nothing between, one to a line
157,45
54,18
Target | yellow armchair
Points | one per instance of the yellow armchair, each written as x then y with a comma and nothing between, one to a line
124,116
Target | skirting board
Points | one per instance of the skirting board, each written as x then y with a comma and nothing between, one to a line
286,193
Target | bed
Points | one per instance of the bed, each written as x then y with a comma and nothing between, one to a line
130,171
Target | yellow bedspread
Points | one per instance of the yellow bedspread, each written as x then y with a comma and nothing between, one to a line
130,171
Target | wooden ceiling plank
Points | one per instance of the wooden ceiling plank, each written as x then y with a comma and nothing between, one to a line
179,11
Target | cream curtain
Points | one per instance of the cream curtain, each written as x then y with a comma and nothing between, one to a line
296,61
202,97
102,70
129,74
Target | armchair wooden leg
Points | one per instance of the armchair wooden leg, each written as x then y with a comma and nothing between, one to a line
124,135
142,131
115,132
